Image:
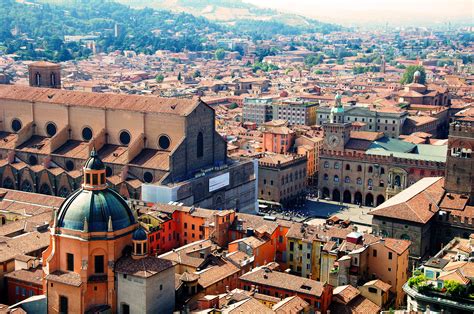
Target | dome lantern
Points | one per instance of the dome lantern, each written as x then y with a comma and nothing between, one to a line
139,239
94,173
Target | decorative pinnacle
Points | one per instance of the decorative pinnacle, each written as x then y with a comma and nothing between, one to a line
86,225
110,227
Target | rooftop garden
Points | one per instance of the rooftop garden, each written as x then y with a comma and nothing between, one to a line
449,288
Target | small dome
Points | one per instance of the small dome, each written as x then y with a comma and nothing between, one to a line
96,207
139,234
94,162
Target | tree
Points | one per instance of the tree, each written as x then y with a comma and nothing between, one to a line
197,73
179,76
454,287
159,78
220,54
410,70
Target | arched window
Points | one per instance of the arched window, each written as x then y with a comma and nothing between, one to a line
336,178
359,181
37,79
381,184
371,169
398,181
382,170
369,182
347,180
53,79
325,177
405,237
348,167
359,168
200,145
326,164
336,165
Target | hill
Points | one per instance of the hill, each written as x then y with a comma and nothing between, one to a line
232,11
36,30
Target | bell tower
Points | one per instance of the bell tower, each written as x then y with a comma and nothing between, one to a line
336,131
459,163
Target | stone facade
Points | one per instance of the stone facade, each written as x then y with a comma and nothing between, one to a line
282,178
388,122
154,294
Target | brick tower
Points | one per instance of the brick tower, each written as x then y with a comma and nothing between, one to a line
459,164
45,74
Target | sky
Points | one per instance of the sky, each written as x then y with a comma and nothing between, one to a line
393,12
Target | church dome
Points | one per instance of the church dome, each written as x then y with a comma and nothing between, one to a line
97,208
139,234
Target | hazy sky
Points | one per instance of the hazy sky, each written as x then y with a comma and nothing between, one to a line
395,12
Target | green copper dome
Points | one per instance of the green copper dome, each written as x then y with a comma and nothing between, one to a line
99,208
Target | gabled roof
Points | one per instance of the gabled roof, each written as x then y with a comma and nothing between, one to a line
418,203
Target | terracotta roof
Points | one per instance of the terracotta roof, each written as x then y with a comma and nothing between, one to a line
366,135
265,276
293,304
397,245
31,276
144,267
67,278
345,294
360,305
454,275
214,274
154,104
417,203
379,284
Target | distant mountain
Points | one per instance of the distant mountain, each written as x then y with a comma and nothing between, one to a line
230,12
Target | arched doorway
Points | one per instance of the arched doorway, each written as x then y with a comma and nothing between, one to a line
347,197
369,200
380,199
336,195
358,198
325,192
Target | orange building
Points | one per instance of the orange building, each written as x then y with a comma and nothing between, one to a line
89,234
277,137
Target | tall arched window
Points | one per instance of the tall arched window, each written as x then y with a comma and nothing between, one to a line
336,178
347,180
200,145
53,79
359,181
370,182
37,79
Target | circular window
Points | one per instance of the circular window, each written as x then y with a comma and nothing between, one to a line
148,177
125,137
108,171
16,125
51,129
164,142
87,134
69,165
33,160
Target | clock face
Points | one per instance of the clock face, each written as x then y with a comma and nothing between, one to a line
333,140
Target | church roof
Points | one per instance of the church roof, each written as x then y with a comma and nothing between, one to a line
144,267
137,103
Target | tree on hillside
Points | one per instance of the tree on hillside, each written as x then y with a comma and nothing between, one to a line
159,78
410,70
220,54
